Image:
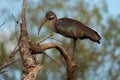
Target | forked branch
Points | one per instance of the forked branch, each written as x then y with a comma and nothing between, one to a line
36,49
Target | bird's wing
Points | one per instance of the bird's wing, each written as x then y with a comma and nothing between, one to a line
75,29
67,28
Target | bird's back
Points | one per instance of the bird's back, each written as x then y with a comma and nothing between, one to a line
75,29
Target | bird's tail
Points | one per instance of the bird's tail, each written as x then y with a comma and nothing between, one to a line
92,35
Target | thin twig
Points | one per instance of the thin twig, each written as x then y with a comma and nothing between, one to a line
56,39
13,62
49,36
43,59
9,58
45,38
16,21
51,59
2,72
2,24
9,64
12,54
23,15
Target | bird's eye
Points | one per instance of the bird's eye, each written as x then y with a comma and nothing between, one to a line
51,17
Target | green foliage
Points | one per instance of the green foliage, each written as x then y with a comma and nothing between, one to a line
2,52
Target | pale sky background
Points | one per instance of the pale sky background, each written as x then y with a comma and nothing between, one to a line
15,8
114,7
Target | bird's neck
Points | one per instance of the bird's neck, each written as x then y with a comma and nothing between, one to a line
52,24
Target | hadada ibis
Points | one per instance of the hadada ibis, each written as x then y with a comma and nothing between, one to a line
70,28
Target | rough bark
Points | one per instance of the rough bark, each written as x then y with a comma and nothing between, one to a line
31,66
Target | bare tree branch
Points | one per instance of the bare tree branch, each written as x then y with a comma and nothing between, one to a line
52,59
2,24
2,72
36,49
16,20
6,62
16,23
49,36
45,38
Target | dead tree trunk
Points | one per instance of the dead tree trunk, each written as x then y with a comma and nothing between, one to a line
31,66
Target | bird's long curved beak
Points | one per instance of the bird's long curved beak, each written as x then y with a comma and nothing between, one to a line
42,22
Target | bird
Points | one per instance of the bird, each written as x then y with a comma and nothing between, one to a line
70,28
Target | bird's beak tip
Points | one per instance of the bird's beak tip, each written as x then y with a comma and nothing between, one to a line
42,22
38,32
98,42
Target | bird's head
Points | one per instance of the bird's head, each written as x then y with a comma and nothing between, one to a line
50,15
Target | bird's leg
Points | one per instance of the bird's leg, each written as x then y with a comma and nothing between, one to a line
74,47
68,46
43,59
73,42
